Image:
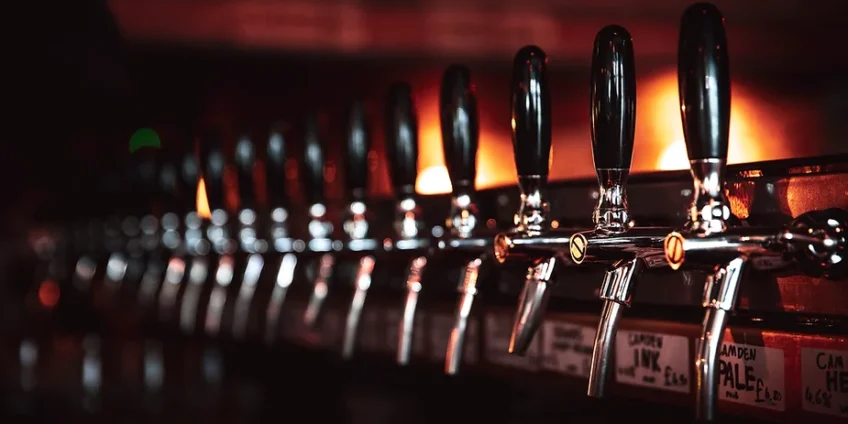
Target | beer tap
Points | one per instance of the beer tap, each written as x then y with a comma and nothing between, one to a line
531,141
817,239
212,166
320,228
614,241
249,241
356,225
191,247
281,242
460,138
401,129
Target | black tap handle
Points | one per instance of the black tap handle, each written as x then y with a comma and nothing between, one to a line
275,170
460,126
703,74
358,145
402,138
613,99
312,169
531,113
189,174
245,159
212,165
169,183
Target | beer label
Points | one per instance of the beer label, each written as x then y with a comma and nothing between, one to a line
658,361
824,379
419,332
498,329
567,348
441,326
371,331
751,375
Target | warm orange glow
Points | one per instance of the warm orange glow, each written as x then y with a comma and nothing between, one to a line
48,293
202,200
433,180
494,167
750,126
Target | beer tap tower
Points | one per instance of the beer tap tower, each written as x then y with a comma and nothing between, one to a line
356,224
212,164
531,141
816,239
401,130
281,241
249,241
460,139
320,228
628,250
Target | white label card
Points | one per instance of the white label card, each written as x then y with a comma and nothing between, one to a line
441,326
567,348
498,329
751,375
658,361
824,380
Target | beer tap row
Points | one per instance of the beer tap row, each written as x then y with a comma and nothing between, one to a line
268,273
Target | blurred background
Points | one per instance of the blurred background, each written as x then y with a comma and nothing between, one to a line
243,65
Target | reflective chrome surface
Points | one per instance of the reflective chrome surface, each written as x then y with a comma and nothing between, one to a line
612,214
531,305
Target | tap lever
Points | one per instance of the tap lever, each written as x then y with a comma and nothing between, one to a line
531,134
245,159
212,165
460,138
358,145
460,127
313,163
401,127
275,169
407,323
704,86
613,123
357,171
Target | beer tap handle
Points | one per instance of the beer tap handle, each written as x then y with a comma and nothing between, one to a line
275,170
704,87
245,159
531,133
212,164
460,127
313,164
358,145
460,138
401,129
613,122
188,179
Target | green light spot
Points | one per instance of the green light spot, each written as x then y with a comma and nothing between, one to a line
144,137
